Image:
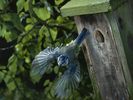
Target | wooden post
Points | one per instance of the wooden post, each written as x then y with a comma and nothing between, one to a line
108,49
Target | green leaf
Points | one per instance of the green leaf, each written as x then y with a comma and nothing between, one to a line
26,5
9,82
54,33
27,59
57,2
14,19
1,76
29,20
60,19
12,64
11,59
20,5
46,82
44,32
26,39
56,69
19,47
11,86
42,13
41,34
6,33
28,27
2,67
3,4
52,92
35,78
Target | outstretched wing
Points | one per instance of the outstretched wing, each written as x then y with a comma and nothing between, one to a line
69,81
42,62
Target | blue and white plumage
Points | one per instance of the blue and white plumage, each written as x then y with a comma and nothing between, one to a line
65,56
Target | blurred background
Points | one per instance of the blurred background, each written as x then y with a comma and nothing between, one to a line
26,28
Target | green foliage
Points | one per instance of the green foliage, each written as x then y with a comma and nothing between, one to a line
34,25
42,13
20,5
3,4
4,32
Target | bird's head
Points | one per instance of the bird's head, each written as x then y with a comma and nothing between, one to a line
62,60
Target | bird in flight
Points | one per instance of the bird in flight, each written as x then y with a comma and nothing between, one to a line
65,56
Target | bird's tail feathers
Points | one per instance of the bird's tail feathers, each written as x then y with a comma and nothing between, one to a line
68,82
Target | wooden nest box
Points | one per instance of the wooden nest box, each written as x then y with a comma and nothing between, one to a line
109,48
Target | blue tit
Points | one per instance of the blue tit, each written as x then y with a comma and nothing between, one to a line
64,56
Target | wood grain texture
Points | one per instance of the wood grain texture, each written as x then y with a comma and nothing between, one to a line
104,57
80,7
124,18
121,22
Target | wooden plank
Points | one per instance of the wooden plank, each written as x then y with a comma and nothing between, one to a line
80,7
104,57
122,56
96,90
121,22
